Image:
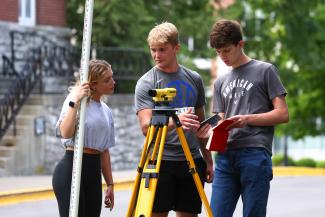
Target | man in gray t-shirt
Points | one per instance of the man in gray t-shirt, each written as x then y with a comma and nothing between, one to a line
176,189
190,95
248,89
253,97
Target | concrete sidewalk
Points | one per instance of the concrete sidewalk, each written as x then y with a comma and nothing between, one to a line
28,183
27,188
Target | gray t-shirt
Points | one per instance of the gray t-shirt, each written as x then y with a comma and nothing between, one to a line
190,93
99,131
248,89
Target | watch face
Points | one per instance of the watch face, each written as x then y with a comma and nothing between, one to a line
71,104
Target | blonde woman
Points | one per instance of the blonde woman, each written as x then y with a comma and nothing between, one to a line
98,138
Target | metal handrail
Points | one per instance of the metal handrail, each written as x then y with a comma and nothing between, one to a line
8,67
17,93
33,69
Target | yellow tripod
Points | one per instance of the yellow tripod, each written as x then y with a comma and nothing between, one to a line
144,189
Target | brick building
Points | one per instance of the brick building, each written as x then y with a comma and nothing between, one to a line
46,18
34,12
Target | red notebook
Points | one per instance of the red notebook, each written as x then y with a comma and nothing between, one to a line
218,139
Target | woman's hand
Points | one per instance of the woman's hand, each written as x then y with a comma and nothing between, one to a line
109,197
80,91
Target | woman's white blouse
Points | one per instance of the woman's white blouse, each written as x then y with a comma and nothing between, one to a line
99,126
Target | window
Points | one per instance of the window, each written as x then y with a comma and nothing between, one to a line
27,12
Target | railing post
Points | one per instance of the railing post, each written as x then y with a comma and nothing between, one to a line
12,38
40,65
14,125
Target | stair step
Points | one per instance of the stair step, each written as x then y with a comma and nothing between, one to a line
3,161
31,109
8,141
25,120
38,99
6,151
21,130
34,100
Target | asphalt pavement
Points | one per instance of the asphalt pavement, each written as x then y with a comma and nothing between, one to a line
295,192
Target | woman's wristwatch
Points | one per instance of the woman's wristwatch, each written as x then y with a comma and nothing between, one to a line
72,104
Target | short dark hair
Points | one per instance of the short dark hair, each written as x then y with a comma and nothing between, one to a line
225,32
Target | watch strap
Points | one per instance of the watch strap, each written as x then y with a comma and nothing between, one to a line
72,104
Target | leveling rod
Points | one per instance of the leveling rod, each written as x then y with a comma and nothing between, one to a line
78,149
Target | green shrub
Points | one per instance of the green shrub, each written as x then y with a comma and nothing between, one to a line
320,164
278,160
306,162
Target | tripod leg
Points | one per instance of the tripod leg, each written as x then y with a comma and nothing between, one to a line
155,148
149,180
193,170
143,158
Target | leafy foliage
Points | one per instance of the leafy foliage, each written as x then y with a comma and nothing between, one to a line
278,160
306,162
320,164
127,23
290,34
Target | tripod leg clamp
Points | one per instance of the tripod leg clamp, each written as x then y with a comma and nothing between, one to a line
193,170
148,176
140,169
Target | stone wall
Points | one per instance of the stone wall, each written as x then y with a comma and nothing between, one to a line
59,35
39,154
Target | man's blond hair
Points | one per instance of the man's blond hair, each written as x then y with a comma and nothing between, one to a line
163,33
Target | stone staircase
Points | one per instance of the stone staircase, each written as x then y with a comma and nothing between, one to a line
23,153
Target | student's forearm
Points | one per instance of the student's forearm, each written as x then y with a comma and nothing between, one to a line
274,117
206,154
68,123
106,167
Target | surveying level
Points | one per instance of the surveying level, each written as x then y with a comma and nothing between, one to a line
162,95
146,180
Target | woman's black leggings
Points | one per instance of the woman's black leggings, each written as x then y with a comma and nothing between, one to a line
90,199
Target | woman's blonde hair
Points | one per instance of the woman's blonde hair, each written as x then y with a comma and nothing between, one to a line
162,34
97,69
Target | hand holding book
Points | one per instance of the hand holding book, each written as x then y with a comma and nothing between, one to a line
218,139
213,120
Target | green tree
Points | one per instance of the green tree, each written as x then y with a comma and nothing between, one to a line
126,23
290,34
115,23
193,19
